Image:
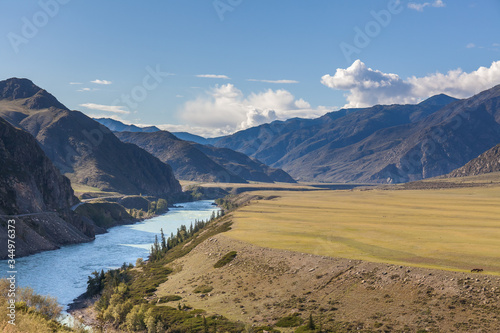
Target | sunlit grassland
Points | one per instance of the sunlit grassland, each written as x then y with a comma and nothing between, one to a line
80,188
455,229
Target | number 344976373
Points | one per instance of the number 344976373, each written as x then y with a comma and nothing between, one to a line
11,234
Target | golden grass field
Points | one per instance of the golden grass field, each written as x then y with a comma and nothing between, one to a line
452,229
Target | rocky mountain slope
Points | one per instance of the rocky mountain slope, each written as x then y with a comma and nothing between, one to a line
244,166
192,161
36,196
391,143
187,162
487,162
84,150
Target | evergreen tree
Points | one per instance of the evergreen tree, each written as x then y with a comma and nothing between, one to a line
310,324
205,325
163,242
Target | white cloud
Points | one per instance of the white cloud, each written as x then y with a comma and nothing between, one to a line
213,76
225,109
470,46
274,81
75,83
106,108
87,89
495,44
101,82
367,87
206,132
420,6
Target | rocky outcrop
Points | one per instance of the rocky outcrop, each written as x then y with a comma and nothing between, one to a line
487,162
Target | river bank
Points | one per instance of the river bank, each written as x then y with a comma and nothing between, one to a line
63,273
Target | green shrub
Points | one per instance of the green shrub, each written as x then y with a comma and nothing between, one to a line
304,329
290,321
161,206
203,289
261,329
228,257
169,298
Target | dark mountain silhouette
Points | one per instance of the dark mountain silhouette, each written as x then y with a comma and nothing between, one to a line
84,150
118,126
191,137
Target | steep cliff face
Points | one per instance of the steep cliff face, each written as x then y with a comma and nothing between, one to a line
29,182
35,194
81,148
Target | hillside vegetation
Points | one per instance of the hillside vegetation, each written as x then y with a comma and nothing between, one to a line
34,313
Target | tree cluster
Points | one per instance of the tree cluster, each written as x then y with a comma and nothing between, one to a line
162,245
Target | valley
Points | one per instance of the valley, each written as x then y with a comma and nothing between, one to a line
234,166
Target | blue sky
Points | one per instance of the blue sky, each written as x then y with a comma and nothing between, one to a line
232,64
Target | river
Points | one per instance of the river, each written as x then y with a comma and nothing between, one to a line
63,273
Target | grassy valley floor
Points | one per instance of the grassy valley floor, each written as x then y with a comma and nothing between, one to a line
452,229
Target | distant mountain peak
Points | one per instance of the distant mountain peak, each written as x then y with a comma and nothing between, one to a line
16,88
36,97
441,99
118,126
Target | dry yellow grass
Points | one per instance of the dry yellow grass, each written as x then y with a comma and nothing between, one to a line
455,229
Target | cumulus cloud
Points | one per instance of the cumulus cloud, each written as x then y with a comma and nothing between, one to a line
274,81
213,76
226,109
106,82
75,83
367,87
470,46
206,132
420,6
106,108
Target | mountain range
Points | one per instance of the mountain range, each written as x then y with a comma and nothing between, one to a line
82,149
197,162
117,126
379,144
